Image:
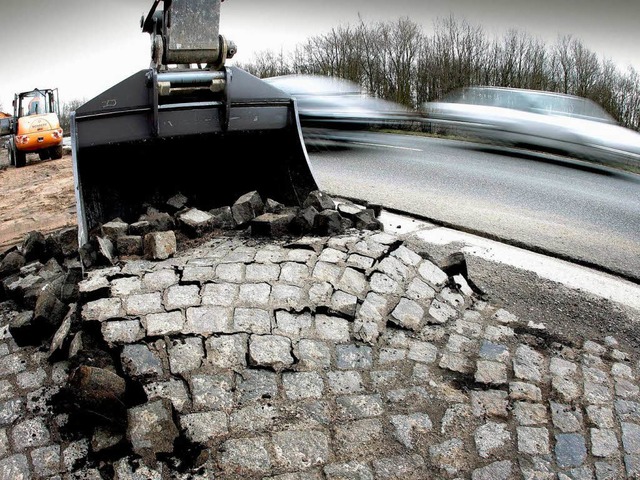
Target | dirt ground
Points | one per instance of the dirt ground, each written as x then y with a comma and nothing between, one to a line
38,197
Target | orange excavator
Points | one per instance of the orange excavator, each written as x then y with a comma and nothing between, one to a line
35,126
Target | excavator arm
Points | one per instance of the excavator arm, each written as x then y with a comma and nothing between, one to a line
162,130
187,32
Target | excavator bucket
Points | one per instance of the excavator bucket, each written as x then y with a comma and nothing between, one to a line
211,134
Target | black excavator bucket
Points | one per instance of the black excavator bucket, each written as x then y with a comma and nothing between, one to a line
211,134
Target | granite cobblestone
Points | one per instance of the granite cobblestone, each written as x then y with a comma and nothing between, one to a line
351,357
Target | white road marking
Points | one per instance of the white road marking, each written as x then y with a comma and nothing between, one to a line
569,274
388,146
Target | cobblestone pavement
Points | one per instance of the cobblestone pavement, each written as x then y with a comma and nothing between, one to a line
349,357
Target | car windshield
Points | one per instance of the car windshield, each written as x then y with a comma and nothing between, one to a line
571,106
316,85
33,103
530,101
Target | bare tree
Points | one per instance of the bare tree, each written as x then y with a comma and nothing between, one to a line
513,64
397,61
629,90
539,65
368,40
563,62
401,42
336,54
586,69
457,51
65,114
267,64
605,88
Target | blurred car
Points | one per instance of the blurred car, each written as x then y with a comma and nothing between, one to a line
330,102
551,122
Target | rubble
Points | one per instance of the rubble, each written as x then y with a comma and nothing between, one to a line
98,386
271,224
306,357
247,207
34,246
151,429
46,276
194,222
321,216
129,245
159,245
114,229
12,262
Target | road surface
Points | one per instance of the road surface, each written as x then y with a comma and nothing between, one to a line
570,209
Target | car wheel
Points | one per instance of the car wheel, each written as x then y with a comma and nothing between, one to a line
56,152
44,154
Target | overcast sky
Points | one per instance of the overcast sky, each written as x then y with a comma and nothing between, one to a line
83,47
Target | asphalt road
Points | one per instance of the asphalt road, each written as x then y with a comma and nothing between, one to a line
570,209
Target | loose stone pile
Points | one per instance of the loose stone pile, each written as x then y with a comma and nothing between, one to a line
309,357
153,234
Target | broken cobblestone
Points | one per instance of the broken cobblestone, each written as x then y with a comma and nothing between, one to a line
343,358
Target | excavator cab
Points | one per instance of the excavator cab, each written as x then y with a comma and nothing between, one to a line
188,124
